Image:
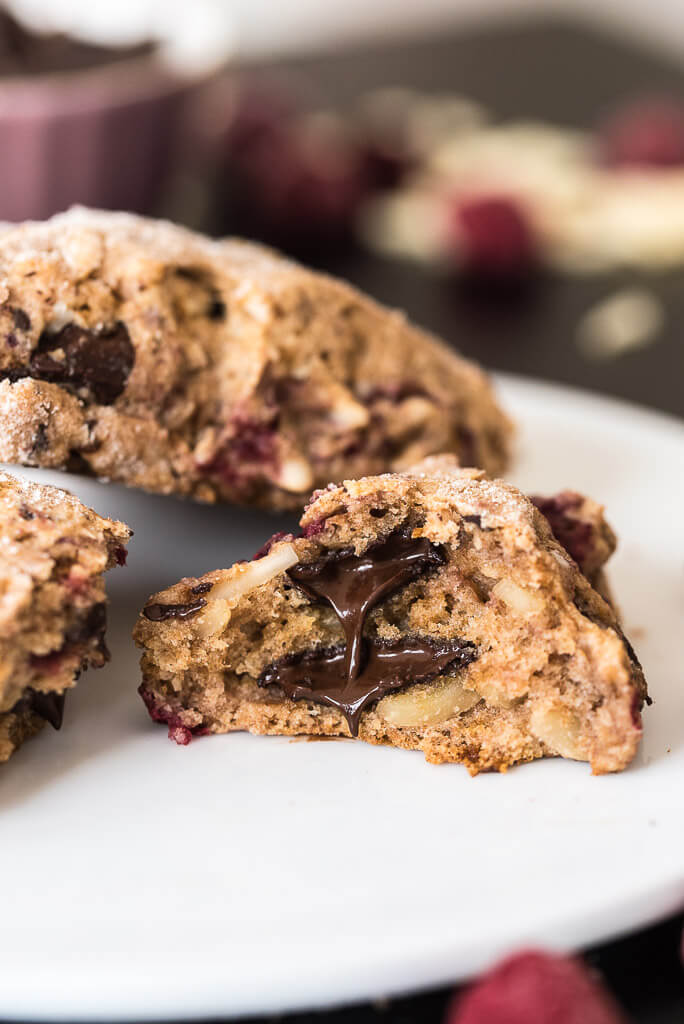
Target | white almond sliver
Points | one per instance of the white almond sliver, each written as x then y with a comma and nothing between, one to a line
561,730
251,575
518,599
427,705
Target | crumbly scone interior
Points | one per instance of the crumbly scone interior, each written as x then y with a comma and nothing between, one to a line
552,673
53,553
149,354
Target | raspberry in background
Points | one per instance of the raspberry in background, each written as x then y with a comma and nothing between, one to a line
536,988
293,177
646,133
491,236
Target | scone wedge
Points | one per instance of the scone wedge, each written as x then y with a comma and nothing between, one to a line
431,610
53,553
145,353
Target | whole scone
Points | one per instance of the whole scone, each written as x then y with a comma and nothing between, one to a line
139,351
53,554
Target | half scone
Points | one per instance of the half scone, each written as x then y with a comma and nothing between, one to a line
432,610
53,553
142,352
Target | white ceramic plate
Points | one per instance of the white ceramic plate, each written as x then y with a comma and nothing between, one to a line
245,875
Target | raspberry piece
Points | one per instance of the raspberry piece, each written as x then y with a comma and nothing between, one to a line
648,133
265,548
536,988
492,236
578,537
158,712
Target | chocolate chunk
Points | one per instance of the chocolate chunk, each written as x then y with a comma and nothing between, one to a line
321,676
477,520
39,441
162,612
355,674
89,627
49,706
353,584
25,512
217,309
21,319
201,588
97,361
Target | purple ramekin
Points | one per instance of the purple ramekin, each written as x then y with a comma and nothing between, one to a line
102,137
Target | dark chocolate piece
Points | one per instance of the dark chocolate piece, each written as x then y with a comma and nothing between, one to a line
353,584
99,361
353,675
92,626
162,612
201,588
49,706
21,319
321,676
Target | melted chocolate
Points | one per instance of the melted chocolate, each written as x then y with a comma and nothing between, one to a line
161,612
353,584
359,672
49,706
322,676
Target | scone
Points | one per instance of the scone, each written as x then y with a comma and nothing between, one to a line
142,352
431,610
53,553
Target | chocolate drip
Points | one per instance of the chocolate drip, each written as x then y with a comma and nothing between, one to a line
161,612
359,672
353,584
321,676
49,706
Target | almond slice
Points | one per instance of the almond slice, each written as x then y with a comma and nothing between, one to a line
427,705
250,575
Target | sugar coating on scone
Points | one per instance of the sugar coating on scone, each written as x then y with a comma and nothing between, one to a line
53,553
430,610
140,351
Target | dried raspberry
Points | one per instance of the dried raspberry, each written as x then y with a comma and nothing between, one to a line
120,555
260,110
313,528
576,536
536,988
492,236
265,548
648,133
249,455
298,186
158,712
